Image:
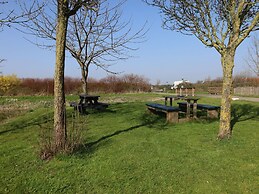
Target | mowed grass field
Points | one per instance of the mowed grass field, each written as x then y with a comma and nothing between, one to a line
128,150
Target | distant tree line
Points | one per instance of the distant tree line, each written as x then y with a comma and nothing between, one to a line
11,85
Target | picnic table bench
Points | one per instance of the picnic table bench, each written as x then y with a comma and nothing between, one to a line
170,111
88,101
212,111
82,107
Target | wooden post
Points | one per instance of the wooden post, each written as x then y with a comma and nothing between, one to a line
193,91
165,101
213,114
195,109
172,117
188,109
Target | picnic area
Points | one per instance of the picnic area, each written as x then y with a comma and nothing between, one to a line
128,149
96,97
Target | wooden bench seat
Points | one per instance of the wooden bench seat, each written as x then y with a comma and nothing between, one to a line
73,104
104,105
207,107
183,106
82,107
212,111
171,112
98,106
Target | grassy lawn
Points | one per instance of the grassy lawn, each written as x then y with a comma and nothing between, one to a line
128,150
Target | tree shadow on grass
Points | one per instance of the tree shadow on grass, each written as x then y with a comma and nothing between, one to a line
22,124
41,120
239,113
243,112
146,120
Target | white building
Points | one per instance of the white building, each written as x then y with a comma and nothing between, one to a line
177,83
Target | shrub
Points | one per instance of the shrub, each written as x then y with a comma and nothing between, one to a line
120,84
8,84
32,86
110,84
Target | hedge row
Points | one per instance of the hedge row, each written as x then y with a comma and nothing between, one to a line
11,85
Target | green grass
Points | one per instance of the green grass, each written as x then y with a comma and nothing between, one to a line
128,150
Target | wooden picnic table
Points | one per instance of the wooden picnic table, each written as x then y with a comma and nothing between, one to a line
86,99
172,98
191,103
88,102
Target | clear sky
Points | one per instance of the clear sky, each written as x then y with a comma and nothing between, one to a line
165,56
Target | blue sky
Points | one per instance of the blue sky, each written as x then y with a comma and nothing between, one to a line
165,56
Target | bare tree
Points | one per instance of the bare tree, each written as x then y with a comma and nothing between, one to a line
6,17
4,20
98,37
94,37
11,16
253,56
64,10
221,24
1,60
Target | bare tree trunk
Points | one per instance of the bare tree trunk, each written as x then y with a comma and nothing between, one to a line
227,61
84,73
59,95
85,87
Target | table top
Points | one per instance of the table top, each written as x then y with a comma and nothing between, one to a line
174,96
183,97
191,98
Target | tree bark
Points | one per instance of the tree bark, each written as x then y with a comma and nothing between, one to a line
227,61
84,73
59,95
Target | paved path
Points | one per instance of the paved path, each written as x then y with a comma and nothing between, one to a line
239,97
251,99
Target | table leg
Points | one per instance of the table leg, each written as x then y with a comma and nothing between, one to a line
171,102
92,101
165,101
81,100
188,111
195,108
95,101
